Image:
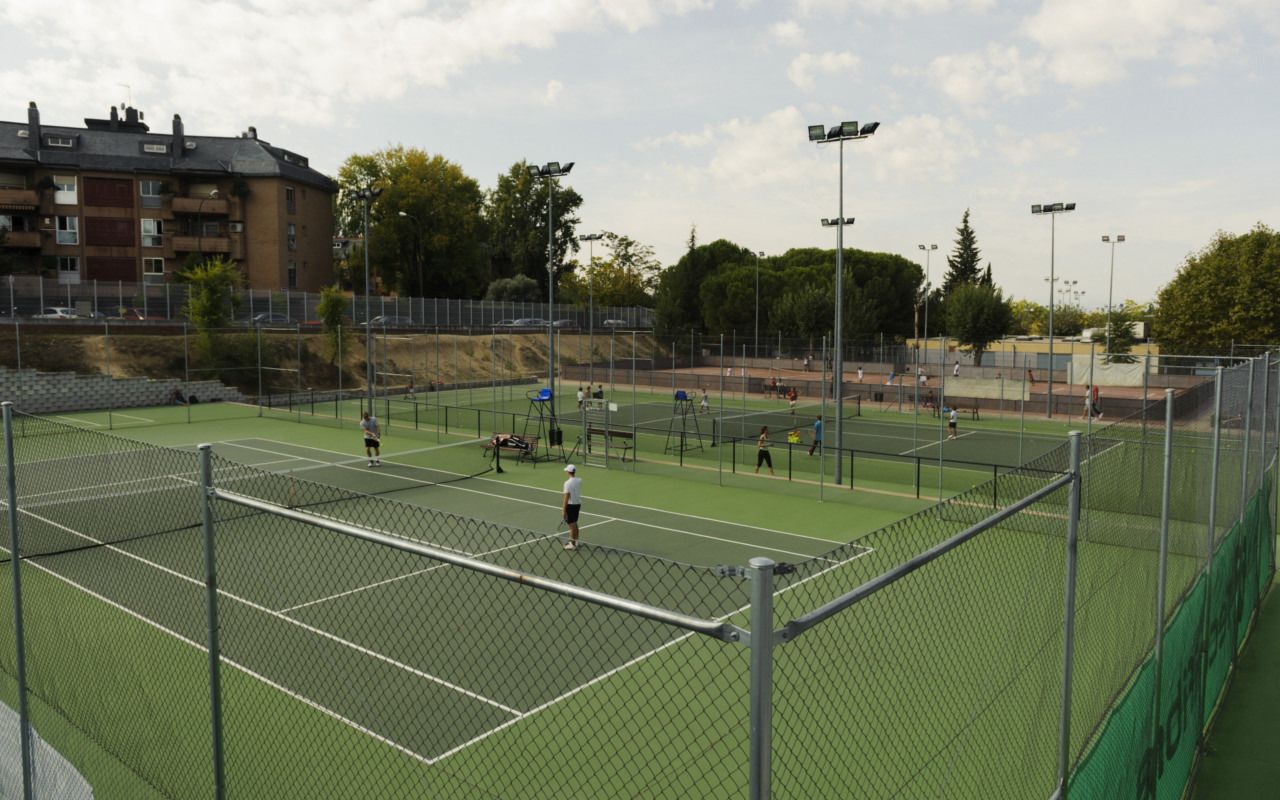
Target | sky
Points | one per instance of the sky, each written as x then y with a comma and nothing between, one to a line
1158,118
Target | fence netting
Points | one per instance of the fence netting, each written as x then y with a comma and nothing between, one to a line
366,649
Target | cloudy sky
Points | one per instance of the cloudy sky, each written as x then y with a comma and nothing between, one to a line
1158,117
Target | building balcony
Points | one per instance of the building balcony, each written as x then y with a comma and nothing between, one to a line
19,199
202,244
199,205
22,239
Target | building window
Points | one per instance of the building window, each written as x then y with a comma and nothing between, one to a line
68,269
150,147
6,222
59,141
290,204
64,190
208,228
68,230
293,236
152,233
293,275
150,191
153,270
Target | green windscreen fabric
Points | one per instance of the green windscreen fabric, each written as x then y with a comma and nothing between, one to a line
1213,618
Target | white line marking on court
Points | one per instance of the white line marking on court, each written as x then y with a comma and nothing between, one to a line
231,662
643,656
553,491
709,536
131,416
78,421
259,607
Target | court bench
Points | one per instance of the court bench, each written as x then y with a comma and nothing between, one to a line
527,450
971,413
623,441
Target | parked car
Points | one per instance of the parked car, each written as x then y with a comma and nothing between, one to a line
530,322
565,323
131,315
390,321
505,323
615,323
271,318
56,312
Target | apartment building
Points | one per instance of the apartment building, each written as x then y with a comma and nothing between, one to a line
114,201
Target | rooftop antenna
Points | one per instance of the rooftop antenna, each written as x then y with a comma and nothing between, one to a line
129,91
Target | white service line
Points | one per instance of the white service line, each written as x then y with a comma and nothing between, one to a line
78,421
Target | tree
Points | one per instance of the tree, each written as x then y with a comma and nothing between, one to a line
332,310
516,212
212,294
519,289
677,301
1028,318
977,316
962,264
1228,291
426,231
804,311
1122,339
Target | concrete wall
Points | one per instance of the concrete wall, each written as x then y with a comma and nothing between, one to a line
44,392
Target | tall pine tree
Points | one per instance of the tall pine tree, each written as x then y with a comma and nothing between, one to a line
962,264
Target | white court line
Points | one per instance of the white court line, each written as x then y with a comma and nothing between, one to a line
643,656
78,421
932,443
297,623
556,492
131,416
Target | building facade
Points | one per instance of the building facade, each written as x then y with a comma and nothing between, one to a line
113,201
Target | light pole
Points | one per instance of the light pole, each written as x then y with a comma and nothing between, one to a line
845,131
928,251
1053,210
367,196
1111,283
591,239
756,345
417,257
549,172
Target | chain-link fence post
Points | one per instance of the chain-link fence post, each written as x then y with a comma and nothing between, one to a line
761,576
1208,547
1262,407
211,606
1244,456
19,649
1069,620
1157,732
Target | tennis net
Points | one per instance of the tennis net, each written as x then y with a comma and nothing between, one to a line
748,425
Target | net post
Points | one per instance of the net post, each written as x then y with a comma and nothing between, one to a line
761,576
1157,734
211,607
15,563
1069,619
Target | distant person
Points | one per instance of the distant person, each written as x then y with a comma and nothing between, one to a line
792,396
955,370
1031,377
762,450
175,397
581,397
705,405
890,381
599,393
859,374
817,435
951,423
372,438
571,505
410,390
930,401
773,387
1095,403
1088,404
921,376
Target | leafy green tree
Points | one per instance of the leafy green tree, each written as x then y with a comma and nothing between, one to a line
677,300
1068,320
1122,339
516,212
1029,318
213,295
1228,291
804,311
519,289
332,310
426,231
977,316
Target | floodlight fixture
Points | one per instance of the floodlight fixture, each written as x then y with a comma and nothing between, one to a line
849,128
817,133
831,223
1053,210
869,129
534,172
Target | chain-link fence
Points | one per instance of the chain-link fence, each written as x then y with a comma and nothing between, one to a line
184,625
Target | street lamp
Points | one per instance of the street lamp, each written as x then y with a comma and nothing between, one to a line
756,346
549,172
417,256
1111,282
1053,210
928,251
845,131
367,196
591,239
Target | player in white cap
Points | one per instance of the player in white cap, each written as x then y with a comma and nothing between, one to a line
572,505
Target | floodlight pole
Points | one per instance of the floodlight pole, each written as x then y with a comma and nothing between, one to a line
1111,284
591,239
368,195
845,131
1053,210
756,344
550,172
928,251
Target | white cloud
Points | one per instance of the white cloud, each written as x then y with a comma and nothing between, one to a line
897,8
970,78
788,33
554,90
1020,150
922,148
804,66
